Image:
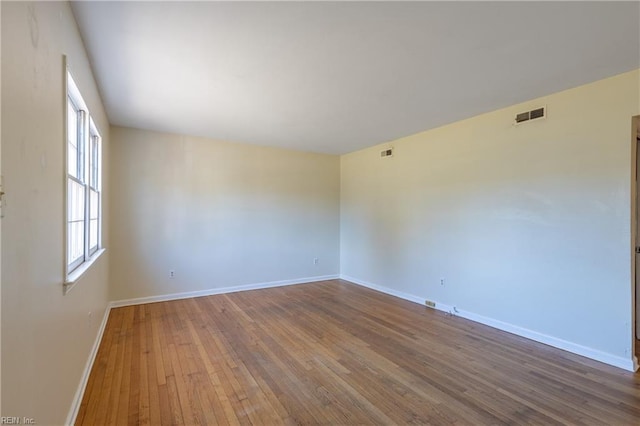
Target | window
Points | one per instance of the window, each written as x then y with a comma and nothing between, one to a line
83,220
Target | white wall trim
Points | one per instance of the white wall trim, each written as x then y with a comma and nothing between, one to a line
385,290
630,364
212,291
77,398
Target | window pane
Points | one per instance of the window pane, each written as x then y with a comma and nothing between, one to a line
76,224
72,139
94,204
76,201
93,234
95,146
73,161
76,241
82,146
94,215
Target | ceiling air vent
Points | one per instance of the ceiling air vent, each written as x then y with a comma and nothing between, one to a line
387,153
530,115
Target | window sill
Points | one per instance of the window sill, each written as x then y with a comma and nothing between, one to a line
77,273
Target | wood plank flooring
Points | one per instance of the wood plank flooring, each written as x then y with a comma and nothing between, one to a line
336,353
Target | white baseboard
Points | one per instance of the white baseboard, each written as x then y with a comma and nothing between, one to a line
84,379
597,355
385,290
223,290
629,364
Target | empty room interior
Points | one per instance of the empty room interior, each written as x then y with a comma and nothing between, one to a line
319,212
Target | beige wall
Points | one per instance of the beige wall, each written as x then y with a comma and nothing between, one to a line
220,214
46,336
529,225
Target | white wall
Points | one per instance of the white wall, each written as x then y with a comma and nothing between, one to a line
220,214
46,336
528,225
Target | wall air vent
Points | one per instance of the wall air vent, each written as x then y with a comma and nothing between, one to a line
387,153
531,115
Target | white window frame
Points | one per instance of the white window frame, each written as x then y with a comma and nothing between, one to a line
88,140
95,152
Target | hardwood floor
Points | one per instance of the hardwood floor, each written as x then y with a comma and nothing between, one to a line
336,353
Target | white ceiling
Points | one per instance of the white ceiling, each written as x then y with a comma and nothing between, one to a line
335,77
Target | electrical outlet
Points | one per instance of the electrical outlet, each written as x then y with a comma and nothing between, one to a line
430,304
441,281
316,261
172,273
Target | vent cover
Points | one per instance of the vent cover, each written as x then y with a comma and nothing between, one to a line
387,153
531,115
